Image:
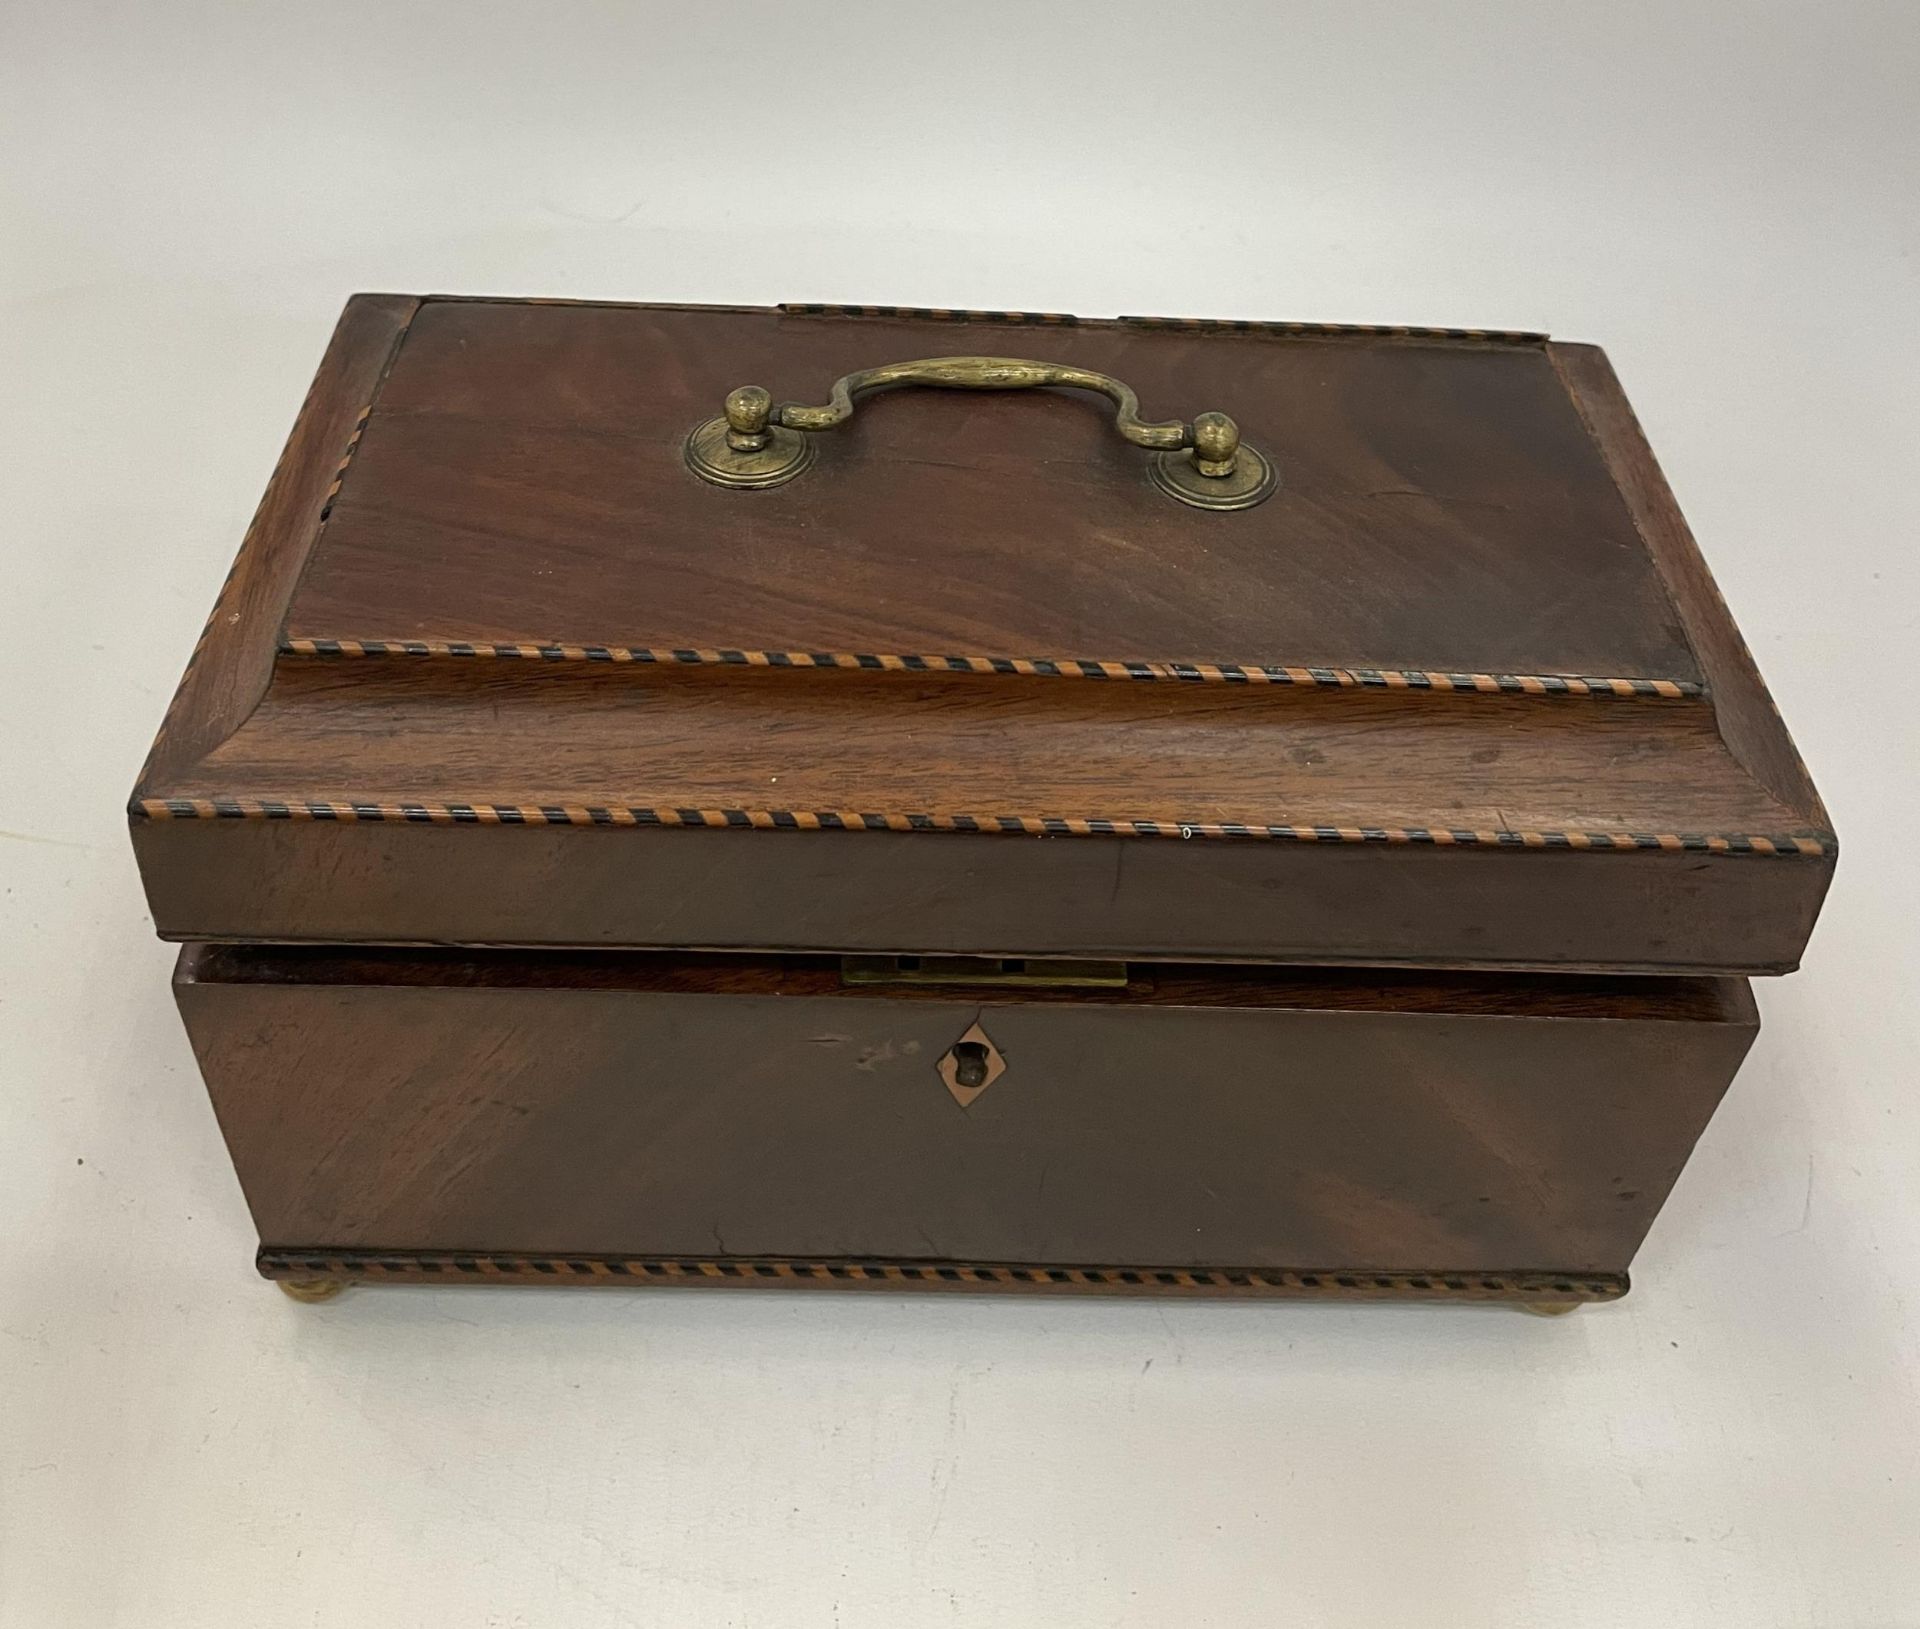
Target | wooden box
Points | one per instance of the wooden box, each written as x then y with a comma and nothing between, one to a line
628,826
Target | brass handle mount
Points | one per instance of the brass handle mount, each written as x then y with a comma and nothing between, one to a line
759,443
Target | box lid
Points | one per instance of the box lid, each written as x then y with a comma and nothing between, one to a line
498,665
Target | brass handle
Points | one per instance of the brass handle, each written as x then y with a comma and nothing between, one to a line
755,443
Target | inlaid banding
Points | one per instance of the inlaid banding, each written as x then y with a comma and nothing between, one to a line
1339,1282
558,814
1045,667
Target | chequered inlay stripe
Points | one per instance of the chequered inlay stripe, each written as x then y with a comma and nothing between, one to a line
1337,330
1056,319
1046,667
561,814
923,313
281,1263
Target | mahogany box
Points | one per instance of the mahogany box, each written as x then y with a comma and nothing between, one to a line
836,796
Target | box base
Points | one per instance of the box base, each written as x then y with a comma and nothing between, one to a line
319,1274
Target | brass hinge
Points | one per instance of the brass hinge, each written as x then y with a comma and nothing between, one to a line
1005,972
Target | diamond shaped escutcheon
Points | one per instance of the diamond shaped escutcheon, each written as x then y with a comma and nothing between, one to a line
971,1065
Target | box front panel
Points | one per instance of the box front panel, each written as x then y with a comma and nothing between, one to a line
1137,1128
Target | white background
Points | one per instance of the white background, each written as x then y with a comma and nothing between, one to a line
1724,196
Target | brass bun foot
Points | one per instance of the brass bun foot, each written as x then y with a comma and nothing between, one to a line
311,1289
1550,1309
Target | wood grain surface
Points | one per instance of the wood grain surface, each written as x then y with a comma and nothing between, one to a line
1442,504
